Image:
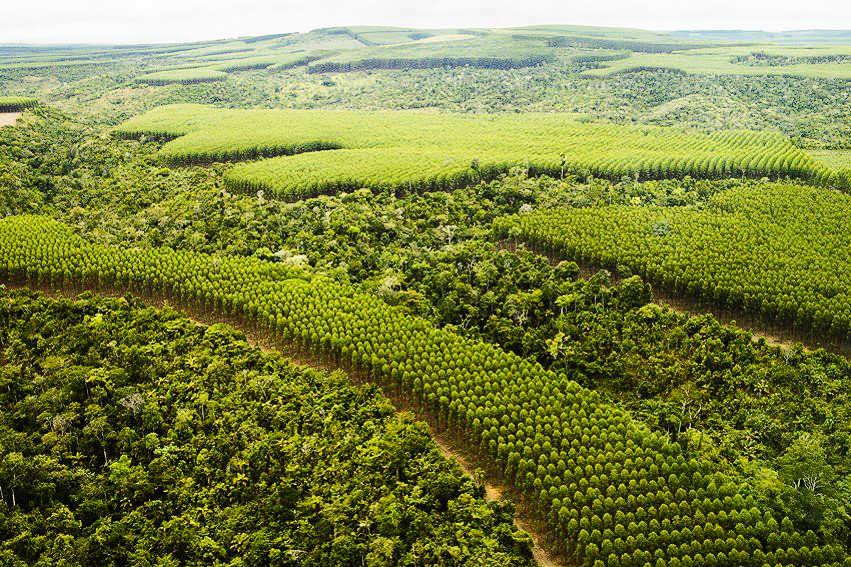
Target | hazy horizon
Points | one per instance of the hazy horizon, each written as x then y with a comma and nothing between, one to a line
92,22
234,37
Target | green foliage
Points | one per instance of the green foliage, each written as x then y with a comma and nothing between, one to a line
818,62
814,111
523,419
811,480
838,160
590,42
132,435
183,76
711,389
808,110
490,51
760,58
776,251
427,253
790,37
16,103
423,151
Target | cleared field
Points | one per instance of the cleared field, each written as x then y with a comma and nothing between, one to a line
613,492
444,37
818,62
424,151
9,118
779,252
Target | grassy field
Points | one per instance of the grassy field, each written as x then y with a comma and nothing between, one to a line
834,159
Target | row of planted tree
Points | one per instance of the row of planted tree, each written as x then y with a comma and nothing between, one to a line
775,251
415,151
610,490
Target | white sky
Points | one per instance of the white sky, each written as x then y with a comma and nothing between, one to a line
149,21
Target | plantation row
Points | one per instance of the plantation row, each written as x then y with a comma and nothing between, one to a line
762,59
183,76
409,149
218,71
474,50
620,44
720,62
615,493
372,63
306,175
16,103
775,251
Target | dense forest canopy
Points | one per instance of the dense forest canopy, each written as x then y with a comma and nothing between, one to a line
134,436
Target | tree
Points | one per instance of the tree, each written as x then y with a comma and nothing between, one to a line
812,496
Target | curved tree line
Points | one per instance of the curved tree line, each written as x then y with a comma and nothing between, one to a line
423,151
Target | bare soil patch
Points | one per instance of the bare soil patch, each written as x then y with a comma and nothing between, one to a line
9,118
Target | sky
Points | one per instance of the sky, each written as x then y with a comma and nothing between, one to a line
152,21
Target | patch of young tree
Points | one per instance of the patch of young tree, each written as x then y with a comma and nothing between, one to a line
418,152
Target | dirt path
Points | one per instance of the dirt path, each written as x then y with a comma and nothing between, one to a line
449,447
9,118
774,335
494,491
